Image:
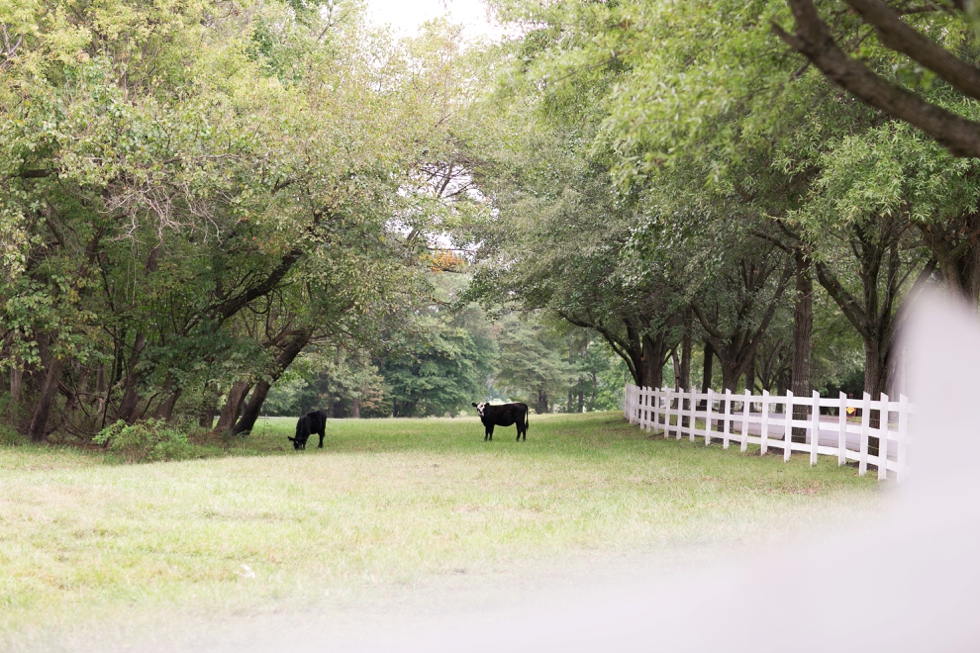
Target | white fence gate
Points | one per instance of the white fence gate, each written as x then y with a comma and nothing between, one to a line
767,421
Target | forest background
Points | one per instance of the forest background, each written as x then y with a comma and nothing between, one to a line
233,208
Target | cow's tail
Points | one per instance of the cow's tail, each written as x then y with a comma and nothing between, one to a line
527,419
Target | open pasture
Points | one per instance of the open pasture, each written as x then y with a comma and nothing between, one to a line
386,503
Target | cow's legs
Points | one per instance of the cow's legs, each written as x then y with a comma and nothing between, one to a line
321,440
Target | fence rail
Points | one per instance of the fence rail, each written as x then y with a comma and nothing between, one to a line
768,421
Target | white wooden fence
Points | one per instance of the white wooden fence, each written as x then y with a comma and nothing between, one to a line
767,421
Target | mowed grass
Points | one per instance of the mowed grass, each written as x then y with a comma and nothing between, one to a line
385,503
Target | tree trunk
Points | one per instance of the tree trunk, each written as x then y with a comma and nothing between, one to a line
355,408
595,391
782,384
206,418
750,375
706,370
127,409
542,405
686,351
571,389
166,410
802,336
103,391
653,361
252,408
233,406
581,399
16,378
290,351
875,380
39,421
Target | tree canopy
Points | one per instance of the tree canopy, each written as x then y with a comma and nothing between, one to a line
216,206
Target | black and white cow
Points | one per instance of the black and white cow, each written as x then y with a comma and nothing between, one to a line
315,422
503,416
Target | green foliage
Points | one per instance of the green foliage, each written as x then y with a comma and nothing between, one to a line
148,441
441,370
188,189
656,155
10,437
534,364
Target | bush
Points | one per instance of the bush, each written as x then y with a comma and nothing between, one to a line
147,441
10,437
9,416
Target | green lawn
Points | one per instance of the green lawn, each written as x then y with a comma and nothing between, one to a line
386,503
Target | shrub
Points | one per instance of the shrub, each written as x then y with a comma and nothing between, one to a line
9,416
9,436
147,441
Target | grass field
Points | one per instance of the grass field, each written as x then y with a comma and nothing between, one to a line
386,503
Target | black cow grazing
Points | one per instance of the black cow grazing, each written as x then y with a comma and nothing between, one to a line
503,416
315,422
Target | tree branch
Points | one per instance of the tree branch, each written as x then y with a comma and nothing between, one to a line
813,39
898,36
853,310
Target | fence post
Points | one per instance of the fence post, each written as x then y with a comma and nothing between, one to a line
746,407
655,414
694,413
633,392
725,432
670,398
883,438
788,427
628,403
709,408
651,409
903,437
815,434
638,406
662,409
842,430
646,405
865,424
765,423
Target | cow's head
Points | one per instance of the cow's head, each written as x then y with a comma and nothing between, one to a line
479,408
298,443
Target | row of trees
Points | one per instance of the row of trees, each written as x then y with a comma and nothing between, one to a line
447,355
216,206
194,193
678,180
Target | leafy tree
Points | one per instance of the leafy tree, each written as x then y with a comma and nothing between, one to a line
441,356
533,364
173,170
